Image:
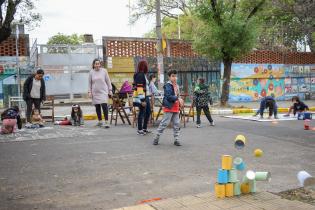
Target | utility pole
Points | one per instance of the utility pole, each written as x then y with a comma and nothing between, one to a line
17,63
159,45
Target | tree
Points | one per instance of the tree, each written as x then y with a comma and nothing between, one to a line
170,27
62,39
228,31
19,11
145,8
288,24
73,39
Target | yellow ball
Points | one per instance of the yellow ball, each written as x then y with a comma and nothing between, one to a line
258,152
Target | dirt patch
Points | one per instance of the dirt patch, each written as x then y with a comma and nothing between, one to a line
300,194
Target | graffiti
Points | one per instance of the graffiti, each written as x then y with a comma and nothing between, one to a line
250,82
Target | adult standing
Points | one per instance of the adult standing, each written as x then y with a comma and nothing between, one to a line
100,89
140,80
34,92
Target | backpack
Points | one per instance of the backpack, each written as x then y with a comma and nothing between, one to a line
9,114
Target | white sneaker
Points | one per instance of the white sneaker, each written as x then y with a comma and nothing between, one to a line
106,124
28,125
198,125
99,124
212,123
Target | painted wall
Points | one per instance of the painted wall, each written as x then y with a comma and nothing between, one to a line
250,82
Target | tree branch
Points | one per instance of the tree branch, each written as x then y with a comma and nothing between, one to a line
233,9
216,14
255,10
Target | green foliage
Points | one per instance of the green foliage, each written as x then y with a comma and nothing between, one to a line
287,24
18,12
170,27
60,38
228,35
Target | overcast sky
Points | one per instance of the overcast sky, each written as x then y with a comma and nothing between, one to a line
97,17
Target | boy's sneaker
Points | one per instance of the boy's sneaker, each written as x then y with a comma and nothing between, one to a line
211,123
156,140
99,124
145,131
198,125
177,143
106,124
141,133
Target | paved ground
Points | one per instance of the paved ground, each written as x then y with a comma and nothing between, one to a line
207,201
94,168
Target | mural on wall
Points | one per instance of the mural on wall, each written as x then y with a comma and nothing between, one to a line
250,82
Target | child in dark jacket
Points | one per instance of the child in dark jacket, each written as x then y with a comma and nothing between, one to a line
297,107
10,120
171,106
202,99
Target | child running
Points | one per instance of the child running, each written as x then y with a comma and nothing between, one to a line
171,105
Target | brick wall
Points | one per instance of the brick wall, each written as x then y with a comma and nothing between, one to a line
131,47
7,47
278,57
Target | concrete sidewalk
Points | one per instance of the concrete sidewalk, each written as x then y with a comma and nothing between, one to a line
207,201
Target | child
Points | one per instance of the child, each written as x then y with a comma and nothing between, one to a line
76,115
265,103
75,119
10,120
153,89
171,105
298,106
37,120
202,99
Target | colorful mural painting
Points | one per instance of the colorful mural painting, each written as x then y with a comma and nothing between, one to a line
250,82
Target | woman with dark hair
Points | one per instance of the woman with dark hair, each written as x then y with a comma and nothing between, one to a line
100,89
141,81
34,92
298,106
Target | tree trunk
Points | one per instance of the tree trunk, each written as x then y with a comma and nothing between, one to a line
4,33
226,81
310,42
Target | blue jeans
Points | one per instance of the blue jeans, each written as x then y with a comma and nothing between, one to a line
144,115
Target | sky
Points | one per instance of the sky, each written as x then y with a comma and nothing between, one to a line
97,17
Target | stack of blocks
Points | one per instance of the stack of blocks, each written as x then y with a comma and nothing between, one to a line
227,183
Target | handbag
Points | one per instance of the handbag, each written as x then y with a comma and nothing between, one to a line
138,95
